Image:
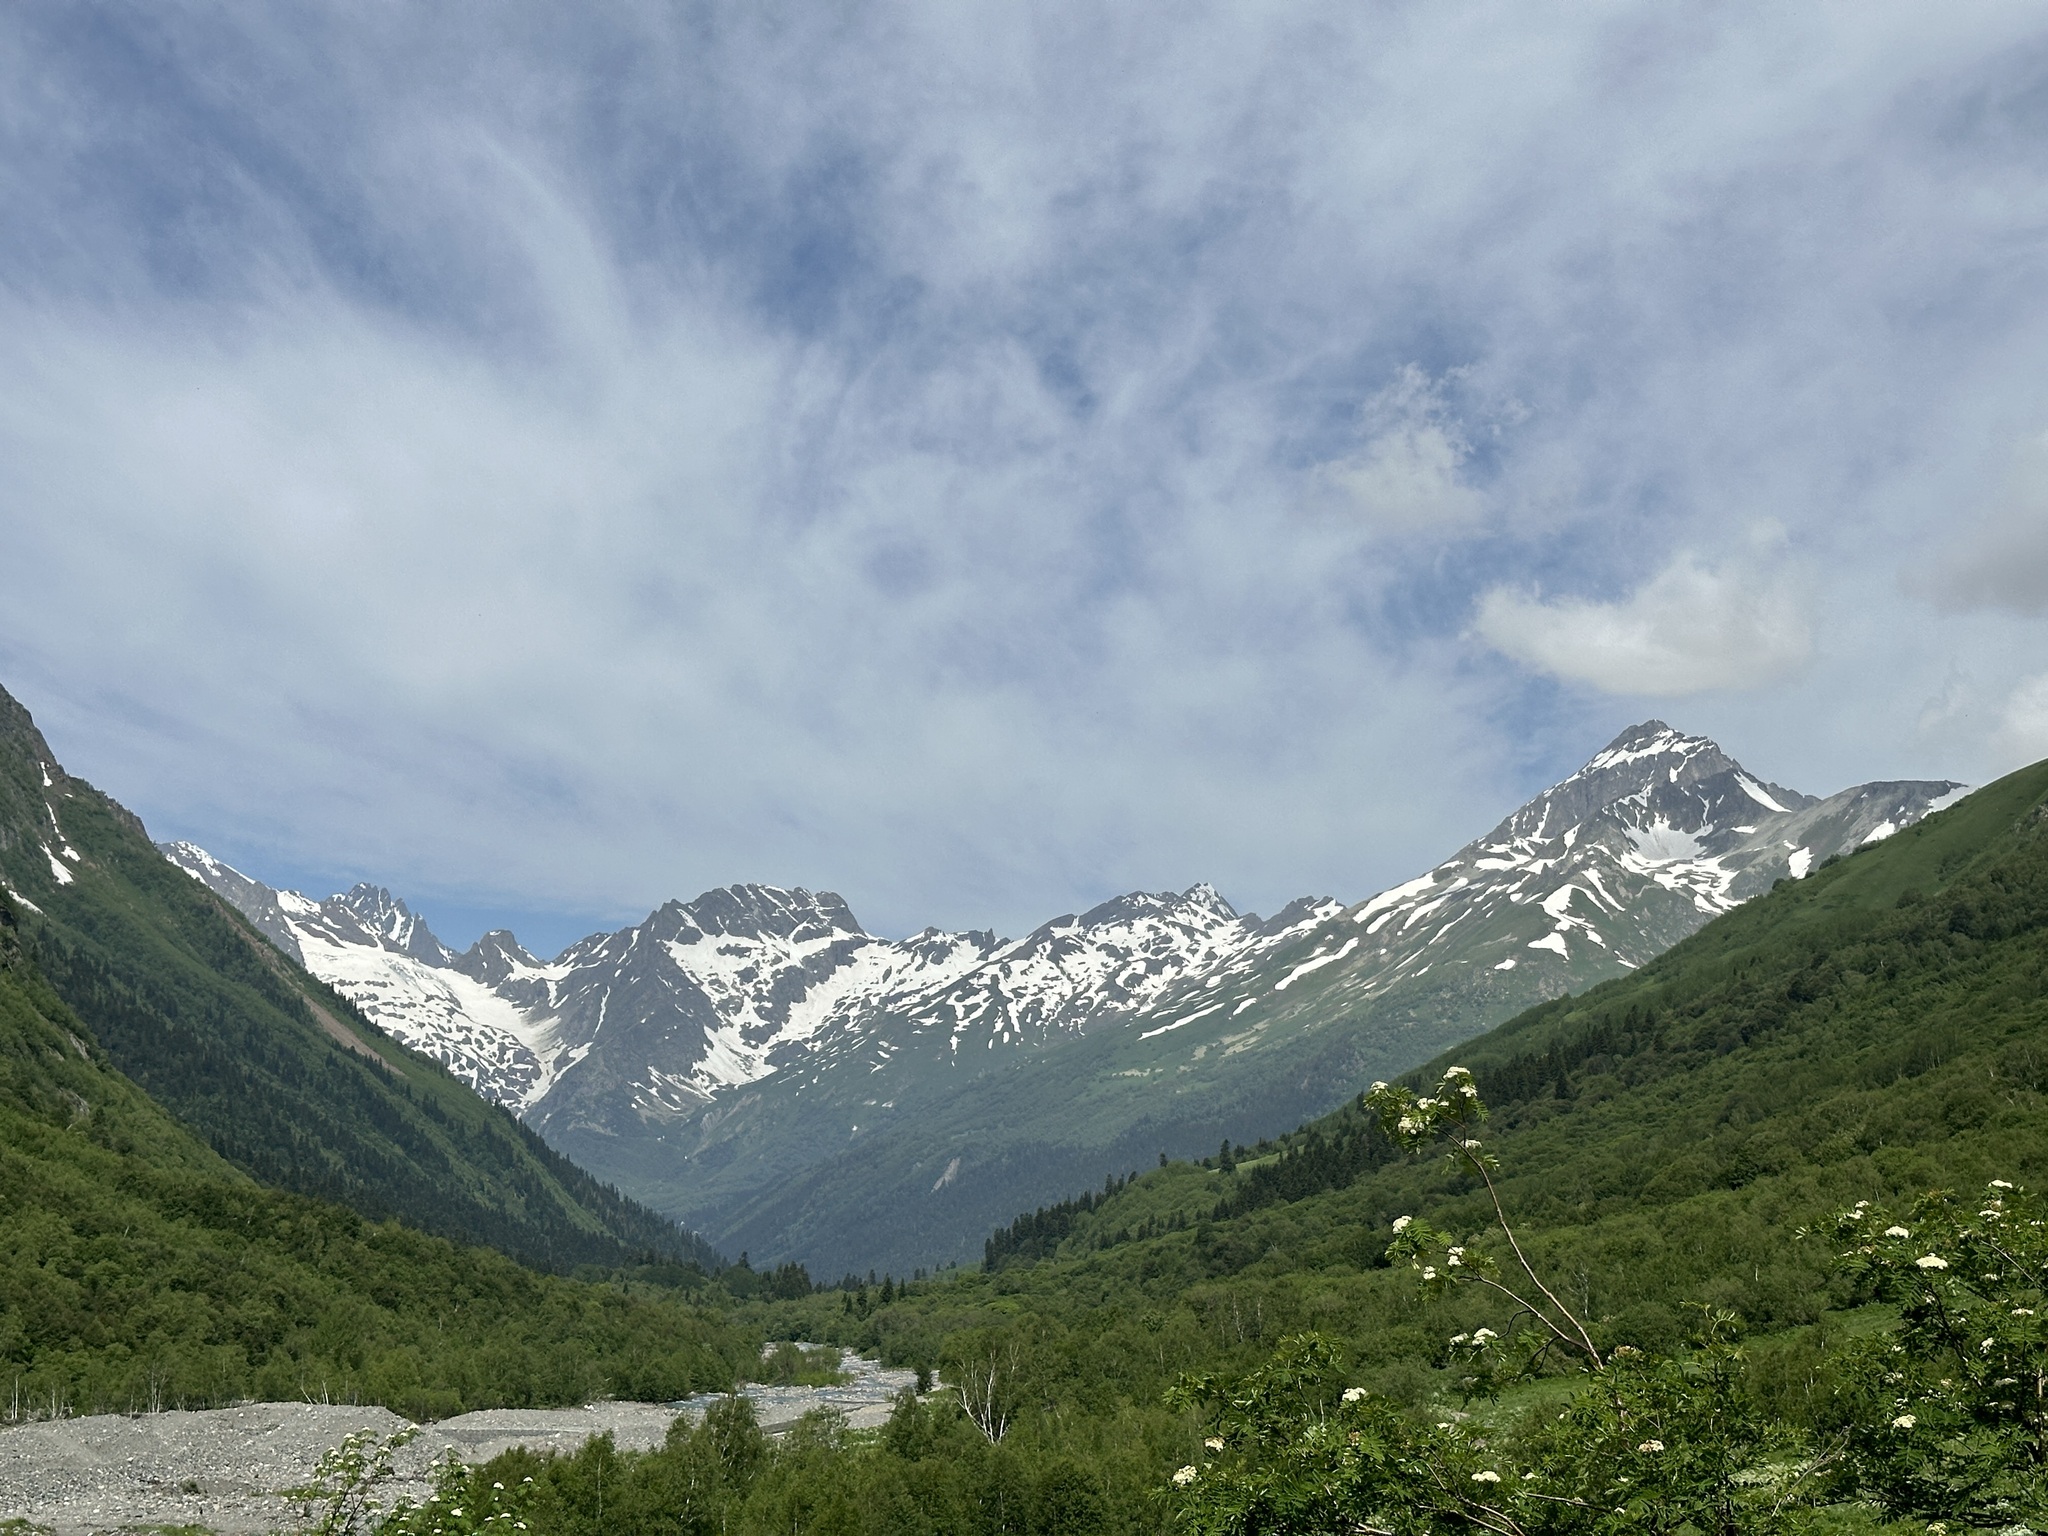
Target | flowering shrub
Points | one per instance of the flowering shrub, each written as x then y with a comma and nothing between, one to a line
344,1495
1643,1444
1948,1415
344,1498
1453,1114
1291,1451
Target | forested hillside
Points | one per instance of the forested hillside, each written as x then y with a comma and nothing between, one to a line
1878,1029
277,1073
139,1269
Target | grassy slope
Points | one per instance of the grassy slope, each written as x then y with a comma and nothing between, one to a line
139,1268
276,1072
1875,1030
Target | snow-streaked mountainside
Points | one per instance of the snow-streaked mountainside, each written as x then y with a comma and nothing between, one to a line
719,1057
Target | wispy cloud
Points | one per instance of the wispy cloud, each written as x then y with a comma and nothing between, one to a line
1410,474
982,459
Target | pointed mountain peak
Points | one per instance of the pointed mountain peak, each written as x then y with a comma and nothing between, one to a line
373,904
495,957
1653,739
388,922
1653,776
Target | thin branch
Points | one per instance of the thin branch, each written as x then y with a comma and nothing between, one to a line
1478,1163
1473,1276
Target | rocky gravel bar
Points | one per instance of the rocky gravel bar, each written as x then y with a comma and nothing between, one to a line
224,1469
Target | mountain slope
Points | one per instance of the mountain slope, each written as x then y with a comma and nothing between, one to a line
281,1076
138,1269
1873,1032
758,1064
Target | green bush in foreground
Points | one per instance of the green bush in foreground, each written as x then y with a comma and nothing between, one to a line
1944,1419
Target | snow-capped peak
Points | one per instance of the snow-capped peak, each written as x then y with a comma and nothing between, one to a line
385,921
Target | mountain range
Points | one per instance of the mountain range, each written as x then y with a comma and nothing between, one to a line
757,1065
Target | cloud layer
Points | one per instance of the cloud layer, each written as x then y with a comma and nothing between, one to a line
983,460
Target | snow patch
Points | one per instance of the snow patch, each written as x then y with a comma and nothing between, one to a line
1394,897
1177,1023
1662,843
1943,802
1315,964
1756,792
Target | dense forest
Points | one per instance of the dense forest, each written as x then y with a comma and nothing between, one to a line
1697,1250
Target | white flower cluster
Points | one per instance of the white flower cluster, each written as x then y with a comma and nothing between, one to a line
1184,1476
1354,1394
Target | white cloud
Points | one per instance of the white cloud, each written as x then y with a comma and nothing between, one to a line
1689,629
1409,475
2023,727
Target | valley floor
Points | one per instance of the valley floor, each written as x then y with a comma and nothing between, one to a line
225,1469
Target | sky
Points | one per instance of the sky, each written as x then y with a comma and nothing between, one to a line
982,459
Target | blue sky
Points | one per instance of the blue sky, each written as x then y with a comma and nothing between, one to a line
983,459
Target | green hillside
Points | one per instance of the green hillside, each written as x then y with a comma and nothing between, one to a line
1675,1139
139,1269
277,1073
1877,1029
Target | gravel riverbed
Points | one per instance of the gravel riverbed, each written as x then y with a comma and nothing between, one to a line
224,1468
